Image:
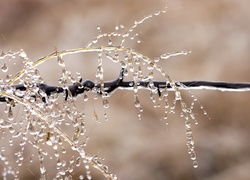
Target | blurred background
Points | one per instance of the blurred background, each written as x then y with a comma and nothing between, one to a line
217,33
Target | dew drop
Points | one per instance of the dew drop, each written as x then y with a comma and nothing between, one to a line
30,159
10,114
94,40
177,95
4,67
85,97
105,103
78,161
137,101
60,61
195,164
193,156
123,64
157,13
105,116
11,129
42,169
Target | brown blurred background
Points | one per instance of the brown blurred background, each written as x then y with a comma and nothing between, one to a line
217,32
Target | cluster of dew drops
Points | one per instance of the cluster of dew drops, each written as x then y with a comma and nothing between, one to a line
47,136
139,67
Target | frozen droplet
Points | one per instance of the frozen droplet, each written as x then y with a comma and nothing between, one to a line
31,159
165,56
105,103
78,161
192,156
42,169
192,115
11,129
105,116
10,114
85,97
94,40
157,13
123,64
4,67
151,65
63,150
62,172
60,61
177,95
195,164
137,101
187,124
109,42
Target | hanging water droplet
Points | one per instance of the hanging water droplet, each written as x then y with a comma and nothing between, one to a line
85,97
30,159
78,161
10,114
192,115
60,61
63,150
4,67
11,129
157,13
192,156
105,116
105,102
195,164
109,42
116,27
94,40
177,95
187,124
42,169
123,64
137,101
81,177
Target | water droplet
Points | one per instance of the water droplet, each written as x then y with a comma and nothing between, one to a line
123,64
137,101
60,61
105,103
11,129
187,124
94,40
42,169
4,67
85,97
157,13
193,155
177,95
78,161
31,159
63,150
10,114
195,164
105,116
151,65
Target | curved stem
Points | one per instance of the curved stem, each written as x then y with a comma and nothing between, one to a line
58,130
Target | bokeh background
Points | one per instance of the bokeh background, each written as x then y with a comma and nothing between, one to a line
217,33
